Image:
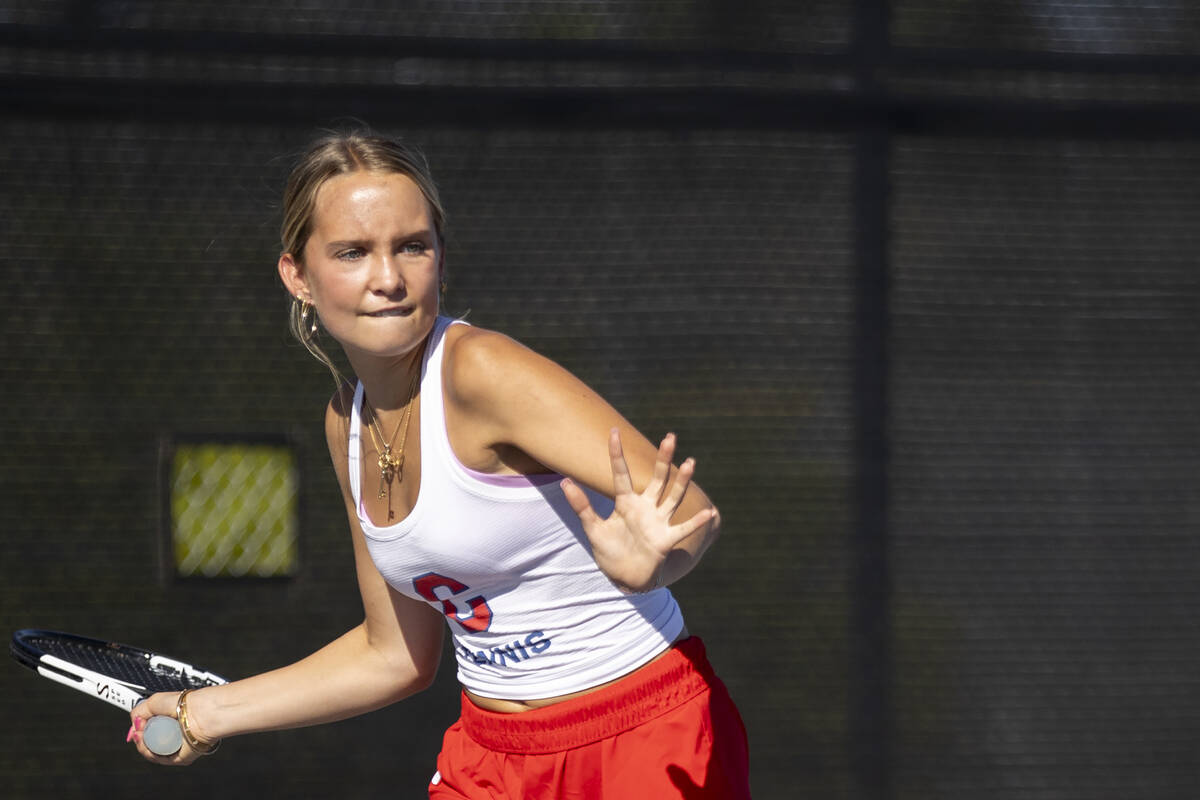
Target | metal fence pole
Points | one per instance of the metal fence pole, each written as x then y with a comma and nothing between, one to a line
870,710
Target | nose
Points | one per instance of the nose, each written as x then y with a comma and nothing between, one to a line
386,277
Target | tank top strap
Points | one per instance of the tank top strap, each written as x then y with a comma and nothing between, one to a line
434,444
433,418
355,448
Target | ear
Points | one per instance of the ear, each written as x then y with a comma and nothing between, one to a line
292,275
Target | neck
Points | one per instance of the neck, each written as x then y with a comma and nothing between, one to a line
389,383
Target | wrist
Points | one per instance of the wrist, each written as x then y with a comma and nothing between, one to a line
660,577
193,732
202,715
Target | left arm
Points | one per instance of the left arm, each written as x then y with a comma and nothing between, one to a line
509,406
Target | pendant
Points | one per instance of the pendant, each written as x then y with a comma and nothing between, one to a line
390,466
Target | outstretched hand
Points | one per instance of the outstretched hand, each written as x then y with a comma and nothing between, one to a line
631,546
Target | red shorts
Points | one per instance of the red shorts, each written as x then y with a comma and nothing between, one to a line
668,730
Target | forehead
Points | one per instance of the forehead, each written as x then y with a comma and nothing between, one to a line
363,202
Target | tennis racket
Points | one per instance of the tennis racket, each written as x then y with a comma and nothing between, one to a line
115,673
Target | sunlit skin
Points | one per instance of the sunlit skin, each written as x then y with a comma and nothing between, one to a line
372,268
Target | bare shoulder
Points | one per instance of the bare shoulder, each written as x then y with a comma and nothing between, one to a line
479,363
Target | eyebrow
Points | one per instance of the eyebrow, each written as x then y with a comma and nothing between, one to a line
423,233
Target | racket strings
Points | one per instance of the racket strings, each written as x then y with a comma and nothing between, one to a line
126,666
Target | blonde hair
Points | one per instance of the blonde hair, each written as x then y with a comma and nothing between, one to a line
342,154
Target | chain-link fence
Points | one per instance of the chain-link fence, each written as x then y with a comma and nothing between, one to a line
913,281
233,510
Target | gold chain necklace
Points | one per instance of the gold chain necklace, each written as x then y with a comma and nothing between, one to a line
391,466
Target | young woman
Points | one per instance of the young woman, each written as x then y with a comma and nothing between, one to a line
491,492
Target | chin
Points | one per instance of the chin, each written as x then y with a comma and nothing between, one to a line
397,336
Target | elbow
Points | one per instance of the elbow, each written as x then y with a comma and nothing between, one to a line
419,671
408,665
423,677
405,682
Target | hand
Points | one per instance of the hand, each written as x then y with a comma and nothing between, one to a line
160,704
631,546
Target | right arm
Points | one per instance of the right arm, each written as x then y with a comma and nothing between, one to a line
392,654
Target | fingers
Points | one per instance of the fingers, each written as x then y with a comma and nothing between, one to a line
662,468
622,481
668,499
579,503
698,521
160,704
134,729
679,488
678,533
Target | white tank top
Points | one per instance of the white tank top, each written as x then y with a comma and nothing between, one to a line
506,560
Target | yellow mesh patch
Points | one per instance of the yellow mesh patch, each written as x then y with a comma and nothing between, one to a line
233,510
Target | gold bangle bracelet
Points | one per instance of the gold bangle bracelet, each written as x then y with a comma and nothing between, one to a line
181,714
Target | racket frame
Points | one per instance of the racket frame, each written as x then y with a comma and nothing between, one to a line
122,694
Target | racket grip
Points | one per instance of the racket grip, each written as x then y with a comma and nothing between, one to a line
163,736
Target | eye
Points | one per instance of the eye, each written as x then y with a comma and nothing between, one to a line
414,248
349,254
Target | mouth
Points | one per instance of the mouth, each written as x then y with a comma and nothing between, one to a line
399,311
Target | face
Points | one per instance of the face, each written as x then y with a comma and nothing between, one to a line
373,264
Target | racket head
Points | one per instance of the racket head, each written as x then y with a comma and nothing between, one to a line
130,671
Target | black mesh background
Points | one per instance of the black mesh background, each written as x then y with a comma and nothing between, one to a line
757,24
659,266
673,200
1060,26
1043,483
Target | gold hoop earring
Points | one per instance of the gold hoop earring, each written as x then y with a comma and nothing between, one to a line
305,309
